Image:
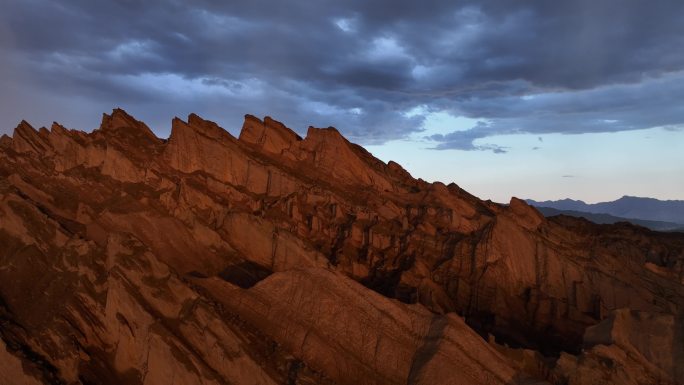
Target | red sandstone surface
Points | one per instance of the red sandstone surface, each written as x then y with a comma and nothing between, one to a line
276,259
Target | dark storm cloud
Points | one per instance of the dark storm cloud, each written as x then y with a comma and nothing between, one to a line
612,108
464,140
518,67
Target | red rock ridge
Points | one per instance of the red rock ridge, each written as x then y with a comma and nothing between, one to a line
271,258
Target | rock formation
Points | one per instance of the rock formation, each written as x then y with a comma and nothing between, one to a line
276,259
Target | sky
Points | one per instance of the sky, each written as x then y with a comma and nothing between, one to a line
535,99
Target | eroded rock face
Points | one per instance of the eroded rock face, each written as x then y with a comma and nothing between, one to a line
276,259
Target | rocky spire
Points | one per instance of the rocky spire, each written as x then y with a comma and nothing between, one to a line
270,135
5,141
27,139
119,122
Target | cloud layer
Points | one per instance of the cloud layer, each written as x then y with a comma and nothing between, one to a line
362,66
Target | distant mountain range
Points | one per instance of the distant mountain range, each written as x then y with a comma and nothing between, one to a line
607,219
648,212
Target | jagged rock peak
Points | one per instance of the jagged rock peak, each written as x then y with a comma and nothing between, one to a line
23,127
398,170
527,216
27,139
59,130
5,141
197,125
328,140
43,132
207,127
269,135
282,128
121,120
327,134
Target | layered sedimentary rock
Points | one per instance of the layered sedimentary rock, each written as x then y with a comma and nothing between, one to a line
276,259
